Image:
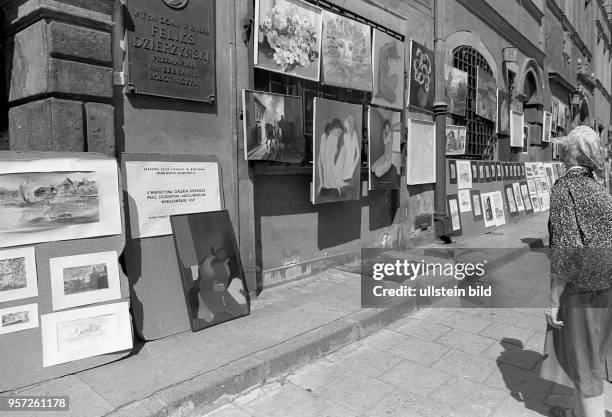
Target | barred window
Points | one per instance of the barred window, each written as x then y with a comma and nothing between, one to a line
480,132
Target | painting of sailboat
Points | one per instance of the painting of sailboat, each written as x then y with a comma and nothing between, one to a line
44,201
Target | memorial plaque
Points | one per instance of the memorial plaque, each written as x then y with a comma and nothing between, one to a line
171,48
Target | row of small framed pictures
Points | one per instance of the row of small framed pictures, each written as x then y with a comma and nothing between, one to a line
487,171
75,281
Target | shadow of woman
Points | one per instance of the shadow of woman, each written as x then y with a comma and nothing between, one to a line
520,370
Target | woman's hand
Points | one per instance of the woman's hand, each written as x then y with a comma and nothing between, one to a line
551,312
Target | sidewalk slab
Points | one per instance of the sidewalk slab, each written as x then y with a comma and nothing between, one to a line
290,325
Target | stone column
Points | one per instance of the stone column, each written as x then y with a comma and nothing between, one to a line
59,75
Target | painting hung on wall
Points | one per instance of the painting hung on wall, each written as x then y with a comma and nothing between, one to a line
47,200
84,279
18,274
498,204
563,116
498,169
486,96
520,205
346,53
388,70
384,135
488,209
546,126
464,174
503,112
15,319
336,151
455,140
510,200
452,171
211,271
455,89
476,205
465,203
85,332
526,198
555,115
273,127
288,37
422,73
516,129
421,152
481,172
475,177
453,206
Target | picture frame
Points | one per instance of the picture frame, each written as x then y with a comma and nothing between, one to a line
18,318
388,56
526,197
465,203
498,168
18,275
422,77
455,89
516,129
421,152
384,136
488,209
264,52
52,199
503,112
464,174
486,95
71,335
341,67
453,209
526,139
475,176
273,127
520,204
510,200
506,173
213,281
456,140
481,172
498,203
546,126
476,205
452,171
80,280
488,173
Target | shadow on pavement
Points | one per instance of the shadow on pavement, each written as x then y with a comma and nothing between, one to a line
520,371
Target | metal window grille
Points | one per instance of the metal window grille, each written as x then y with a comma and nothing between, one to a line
480,132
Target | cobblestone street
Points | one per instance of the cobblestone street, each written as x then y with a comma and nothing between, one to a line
467,362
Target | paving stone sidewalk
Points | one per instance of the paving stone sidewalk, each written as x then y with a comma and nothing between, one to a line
456,362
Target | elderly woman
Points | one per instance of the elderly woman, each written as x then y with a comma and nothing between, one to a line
579,313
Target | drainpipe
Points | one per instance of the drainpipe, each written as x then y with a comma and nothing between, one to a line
441,218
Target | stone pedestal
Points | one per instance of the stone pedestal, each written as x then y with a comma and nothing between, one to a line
60,75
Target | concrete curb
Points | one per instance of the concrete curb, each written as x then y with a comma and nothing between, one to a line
184,398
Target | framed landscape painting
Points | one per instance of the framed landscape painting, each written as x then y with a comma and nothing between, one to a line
388,55
18,274
384,135
346,53
46,200
486,96
336,151
15,319
273,127
455,140
455,89
84,279
421,153
211,271
422,74
288,37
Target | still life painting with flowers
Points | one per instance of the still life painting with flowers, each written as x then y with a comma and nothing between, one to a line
422,74
288,38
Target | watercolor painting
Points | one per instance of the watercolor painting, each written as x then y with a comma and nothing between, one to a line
455,89
346,53
456,140
336,151
465,201
384,135
422,74
288,37
388,70
273,127
464,174
15,319
486,96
